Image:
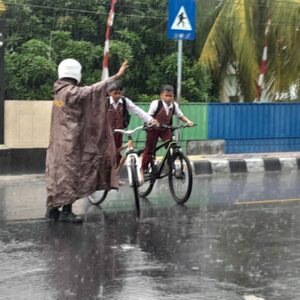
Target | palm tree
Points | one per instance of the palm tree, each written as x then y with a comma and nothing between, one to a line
236,39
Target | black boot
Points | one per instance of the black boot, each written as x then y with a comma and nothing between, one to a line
52,213
68,216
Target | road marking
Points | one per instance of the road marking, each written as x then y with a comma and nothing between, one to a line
267,201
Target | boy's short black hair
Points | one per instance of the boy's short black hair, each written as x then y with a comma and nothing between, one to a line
116,85
167,88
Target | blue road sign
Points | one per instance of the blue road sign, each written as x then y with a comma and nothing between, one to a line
181,19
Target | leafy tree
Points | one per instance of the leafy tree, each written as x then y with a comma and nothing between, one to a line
236,38
196,87
51,30
29,71
196,82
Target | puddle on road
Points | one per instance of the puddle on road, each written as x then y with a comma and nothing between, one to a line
172,254
199,251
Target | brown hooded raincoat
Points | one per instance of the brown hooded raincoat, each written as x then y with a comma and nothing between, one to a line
81,154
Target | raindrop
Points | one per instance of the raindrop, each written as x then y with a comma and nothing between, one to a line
126,247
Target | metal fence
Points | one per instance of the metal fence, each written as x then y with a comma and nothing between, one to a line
245,127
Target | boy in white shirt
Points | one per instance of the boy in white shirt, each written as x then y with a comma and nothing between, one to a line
118,109
162,110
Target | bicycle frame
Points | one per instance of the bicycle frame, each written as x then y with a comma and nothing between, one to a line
175,165
132,155
172,146
133,166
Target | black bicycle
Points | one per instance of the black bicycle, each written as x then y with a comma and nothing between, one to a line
174,164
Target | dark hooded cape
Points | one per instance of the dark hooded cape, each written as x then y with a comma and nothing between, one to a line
81,154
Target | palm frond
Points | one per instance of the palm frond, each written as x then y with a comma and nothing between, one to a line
211,50
284,62
238,35
243,43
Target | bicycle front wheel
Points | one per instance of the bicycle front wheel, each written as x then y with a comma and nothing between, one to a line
135,185
146,188
97,197
180,177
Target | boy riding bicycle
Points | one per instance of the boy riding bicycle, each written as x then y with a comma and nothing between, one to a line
162,110
119,110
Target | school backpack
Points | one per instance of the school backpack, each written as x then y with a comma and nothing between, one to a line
126,114
159,106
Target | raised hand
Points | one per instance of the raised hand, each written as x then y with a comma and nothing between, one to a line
122,69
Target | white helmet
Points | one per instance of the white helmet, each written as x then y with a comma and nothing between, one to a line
70,68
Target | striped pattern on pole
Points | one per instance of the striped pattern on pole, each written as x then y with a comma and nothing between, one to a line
110,20
263,65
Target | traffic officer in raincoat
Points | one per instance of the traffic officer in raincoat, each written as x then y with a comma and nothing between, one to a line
81,154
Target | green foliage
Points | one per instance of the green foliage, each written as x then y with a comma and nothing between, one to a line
39,37
196,82
82,51
35,48
197,85
233,34
146,98
119,51
30,72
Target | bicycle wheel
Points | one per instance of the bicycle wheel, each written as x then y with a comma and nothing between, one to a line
97,197
135,185
180,177
150,175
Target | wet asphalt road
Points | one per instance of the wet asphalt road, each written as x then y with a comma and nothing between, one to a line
238,237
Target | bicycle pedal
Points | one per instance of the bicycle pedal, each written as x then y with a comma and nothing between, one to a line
147,176
122,182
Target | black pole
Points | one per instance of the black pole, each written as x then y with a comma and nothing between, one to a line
1,82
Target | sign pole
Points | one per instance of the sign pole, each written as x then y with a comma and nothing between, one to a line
179,79
181,26
1,82
179,69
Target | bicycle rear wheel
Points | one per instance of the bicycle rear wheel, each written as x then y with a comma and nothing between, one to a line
135,185
97,197
146,188
180,177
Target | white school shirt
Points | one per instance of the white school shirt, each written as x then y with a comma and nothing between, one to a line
132,108
154,104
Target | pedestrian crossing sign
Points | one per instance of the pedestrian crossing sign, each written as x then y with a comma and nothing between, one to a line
181,19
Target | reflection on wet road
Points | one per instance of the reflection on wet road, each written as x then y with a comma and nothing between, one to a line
212,248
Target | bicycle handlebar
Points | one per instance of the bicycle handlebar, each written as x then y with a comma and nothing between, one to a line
129,131
143,127
174,127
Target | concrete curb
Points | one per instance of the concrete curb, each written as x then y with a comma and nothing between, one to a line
247,165
32,161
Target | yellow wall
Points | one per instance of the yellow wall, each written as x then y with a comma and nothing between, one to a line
2,7
27,124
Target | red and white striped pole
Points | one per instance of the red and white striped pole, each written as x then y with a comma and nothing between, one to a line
263,65
110,20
